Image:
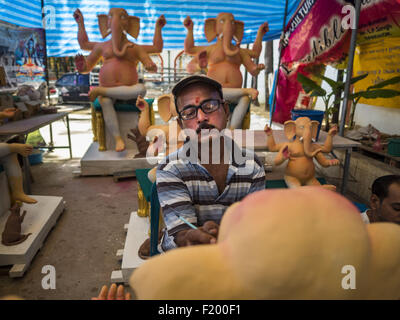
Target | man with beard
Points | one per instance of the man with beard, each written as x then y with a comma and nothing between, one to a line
384,200
198,182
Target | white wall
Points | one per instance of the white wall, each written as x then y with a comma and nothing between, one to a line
386,120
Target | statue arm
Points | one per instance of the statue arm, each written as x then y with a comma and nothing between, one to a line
257,46
271,144
83,38
85,65
189,46
328,145
144,58
282,155
325,162
252,68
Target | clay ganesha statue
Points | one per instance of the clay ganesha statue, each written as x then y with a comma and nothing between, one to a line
282,244
118,76
223,60
300,170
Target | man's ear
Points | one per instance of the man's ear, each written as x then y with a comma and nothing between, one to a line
226,108
374,202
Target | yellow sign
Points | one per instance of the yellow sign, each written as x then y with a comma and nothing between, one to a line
381,60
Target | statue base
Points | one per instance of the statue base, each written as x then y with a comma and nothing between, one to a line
137,232
110,162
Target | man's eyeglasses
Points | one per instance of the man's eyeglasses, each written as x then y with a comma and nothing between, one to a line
207,106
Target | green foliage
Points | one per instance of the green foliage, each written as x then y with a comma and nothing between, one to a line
372,92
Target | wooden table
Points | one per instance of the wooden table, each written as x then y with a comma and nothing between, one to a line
260,144
21,128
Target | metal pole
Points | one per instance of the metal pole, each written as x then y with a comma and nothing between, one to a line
245,71
279,65
45,54
349,72
169,66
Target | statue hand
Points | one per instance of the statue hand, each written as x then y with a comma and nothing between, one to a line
285,152
141,142
334,162
268,130
151,67
203,61
264,28
80,63
188,23
114,293
140,103
9,112
260,67
161,21
78,16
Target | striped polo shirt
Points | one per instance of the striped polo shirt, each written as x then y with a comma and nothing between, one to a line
185,188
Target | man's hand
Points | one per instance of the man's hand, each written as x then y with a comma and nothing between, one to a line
113,294
207,234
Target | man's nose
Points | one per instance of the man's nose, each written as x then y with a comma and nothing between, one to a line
201,116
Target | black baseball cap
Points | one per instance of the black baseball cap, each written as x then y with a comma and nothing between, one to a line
176,90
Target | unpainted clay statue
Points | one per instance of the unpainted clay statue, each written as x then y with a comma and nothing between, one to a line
158,134
118,76
9,160
304,243
11,235
223,60
300,151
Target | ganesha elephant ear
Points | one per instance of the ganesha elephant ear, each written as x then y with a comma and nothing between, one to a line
133,26
239,30
166,107
210,29
103,25
290,129
314,129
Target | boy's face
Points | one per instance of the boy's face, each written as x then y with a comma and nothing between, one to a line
389,208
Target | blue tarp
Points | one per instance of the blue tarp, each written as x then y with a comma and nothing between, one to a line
61,28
